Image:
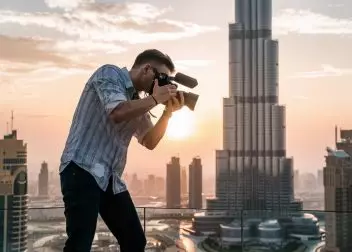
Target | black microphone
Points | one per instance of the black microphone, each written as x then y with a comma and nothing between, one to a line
185,80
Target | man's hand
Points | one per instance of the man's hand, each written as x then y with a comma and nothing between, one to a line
152,138
163,93
174,103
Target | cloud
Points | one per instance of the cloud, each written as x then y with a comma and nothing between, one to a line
326,71
110,23
28,50
20,80
308,22
336,5
83,30
66,4
19,54
29,73
186,64
87,46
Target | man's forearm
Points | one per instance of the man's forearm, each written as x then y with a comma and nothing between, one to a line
130,109
155,134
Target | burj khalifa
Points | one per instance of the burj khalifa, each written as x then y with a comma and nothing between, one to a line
252,170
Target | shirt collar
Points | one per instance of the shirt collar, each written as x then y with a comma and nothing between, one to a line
128,82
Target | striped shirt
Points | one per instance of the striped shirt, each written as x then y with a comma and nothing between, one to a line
95,142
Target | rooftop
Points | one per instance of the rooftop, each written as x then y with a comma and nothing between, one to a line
337,153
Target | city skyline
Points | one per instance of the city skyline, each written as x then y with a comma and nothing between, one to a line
53,47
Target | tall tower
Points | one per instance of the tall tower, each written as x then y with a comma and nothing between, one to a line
252,170
173,183
195,184
13,193
183,181
43,180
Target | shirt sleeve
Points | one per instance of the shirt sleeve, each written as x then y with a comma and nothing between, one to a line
143,126
108,83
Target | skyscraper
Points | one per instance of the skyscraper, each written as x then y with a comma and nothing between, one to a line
338,195
296,180
195,184
173,183
150,186
252,170
160,186
43,180
13,194
184,181
320,179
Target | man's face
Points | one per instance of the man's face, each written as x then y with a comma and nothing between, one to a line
149,73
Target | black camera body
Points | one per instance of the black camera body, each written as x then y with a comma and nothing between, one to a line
163,79
190,99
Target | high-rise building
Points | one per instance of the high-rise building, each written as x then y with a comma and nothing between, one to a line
320,179
338,195
136,185
308,182
252,170
43,180
13,193
173,183
160,186
183,181
149,185
195,184
296,181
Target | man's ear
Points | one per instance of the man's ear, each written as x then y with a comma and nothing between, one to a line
146,68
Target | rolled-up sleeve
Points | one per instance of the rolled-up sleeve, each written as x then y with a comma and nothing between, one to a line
109,84
144,125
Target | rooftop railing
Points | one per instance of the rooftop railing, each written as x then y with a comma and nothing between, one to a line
43,230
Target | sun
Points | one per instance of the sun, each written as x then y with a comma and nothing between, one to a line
181,124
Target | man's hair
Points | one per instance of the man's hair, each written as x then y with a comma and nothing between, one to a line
155,56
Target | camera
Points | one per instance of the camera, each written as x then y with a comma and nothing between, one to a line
180,78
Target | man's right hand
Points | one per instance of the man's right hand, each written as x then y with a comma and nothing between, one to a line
164,93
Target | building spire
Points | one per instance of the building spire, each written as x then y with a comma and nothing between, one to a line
11,120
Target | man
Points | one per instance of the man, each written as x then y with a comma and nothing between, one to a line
108,114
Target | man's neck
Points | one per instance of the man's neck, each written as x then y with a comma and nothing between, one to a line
132,74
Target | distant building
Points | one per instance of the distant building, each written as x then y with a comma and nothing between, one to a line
149,185
320,179
296,181
270,231
13,194
43,180
136,185
173,183
183,181
308,182
195,184
160,186
338,195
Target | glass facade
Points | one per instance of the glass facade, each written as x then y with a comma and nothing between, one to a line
6,213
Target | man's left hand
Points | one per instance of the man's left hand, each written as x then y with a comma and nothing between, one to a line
176,103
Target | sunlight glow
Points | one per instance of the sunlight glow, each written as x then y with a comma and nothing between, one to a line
181,124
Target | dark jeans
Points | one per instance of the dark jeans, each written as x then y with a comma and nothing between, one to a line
84,200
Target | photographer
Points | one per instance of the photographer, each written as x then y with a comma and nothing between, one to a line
108,114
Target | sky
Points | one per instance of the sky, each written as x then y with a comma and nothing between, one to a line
49,48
